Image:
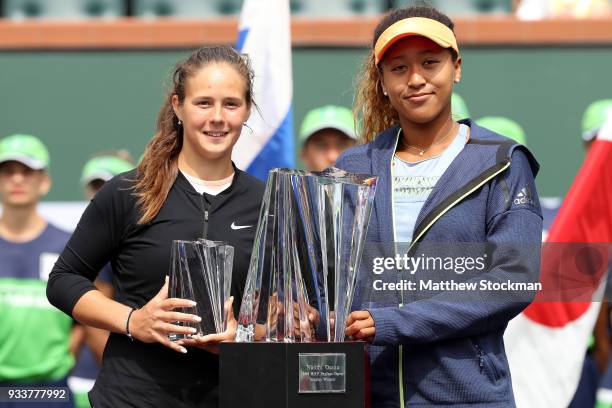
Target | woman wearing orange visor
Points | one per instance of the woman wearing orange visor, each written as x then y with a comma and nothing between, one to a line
450,184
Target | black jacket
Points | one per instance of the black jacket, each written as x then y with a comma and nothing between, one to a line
134,373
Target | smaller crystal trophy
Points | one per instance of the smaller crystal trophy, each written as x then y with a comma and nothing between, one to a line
202,271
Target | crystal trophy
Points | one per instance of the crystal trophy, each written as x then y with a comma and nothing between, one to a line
202,271
308,246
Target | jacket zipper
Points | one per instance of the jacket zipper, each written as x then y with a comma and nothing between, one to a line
401,348
483,359
416,239
458,200
205,221
479,354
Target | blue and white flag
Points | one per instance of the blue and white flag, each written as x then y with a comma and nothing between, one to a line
265,36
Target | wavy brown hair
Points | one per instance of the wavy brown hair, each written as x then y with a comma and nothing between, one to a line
371,107
159,166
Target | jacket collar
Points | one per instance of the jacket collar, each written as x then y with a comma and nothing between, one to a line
383,149
237,185
484,151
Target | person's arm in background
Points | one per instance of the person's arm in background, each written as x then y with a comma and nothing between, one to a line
96,340
93,337
78,334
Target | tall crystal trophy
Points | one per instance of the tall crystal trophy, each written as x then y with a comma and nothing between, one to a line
300,284
202,271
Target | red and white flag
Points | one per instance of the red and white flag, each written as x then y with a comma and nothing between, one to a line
546,343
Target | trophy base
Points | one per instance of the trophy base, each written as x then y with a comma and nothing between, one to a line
294,375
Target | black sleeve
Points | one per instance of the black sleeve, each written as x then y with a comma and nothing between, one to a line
90,247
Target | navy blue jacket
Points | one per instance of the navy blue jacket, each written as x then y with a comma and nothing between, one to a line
439,351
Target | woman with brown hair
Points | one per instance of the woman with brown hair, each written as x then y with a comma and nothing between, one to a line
185,188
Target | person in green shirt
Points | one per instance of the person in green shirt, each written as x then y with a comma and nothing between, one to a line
35,338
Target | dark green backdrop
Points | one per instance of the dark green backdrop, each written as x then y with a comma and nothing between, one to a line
82,102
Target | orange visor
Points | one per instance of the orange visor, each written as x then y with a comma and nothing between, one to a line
425,27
